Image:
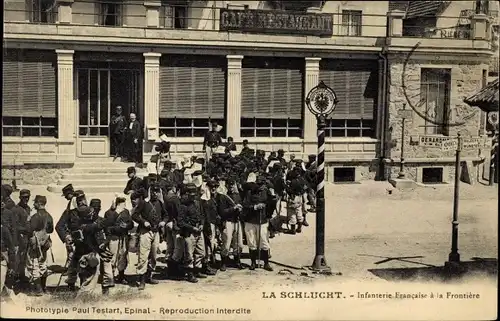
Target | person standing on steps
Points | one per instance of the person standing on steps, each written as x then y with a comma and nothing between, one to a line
117,128
133,141
211,141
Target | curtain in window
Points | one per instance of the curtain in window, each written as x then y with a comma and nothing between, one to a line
356,84
192,86
272,87
29,83
434,95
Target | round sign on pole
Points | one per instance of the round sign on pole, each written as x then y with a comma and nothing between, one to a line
321,100
493,118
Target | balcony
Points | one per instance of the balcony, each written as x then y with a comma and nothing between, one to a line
157,24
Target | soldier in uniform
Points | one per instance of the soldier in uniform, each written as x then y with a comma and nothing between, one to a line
190,256
118,224
11,220
281,158
64,233
7,257
24,197
256,224
148,217
211,141
229,209
295,206
211,223
41,225
310,177
172,204
91,249
134,182
118,126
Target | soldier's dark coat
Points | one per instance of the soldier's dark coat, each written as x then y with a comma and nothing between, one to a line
145,211
113,219
253,197
92,230
190,217
133,184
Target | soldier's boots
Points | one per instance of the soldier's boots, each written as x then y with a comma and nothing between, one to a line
191,277
43,283
37,287
304,223
299,228
224,260
199,273
142,282
292,229
265,257
208,270
72,287
238,264
105,291
253,259
120,279
149,278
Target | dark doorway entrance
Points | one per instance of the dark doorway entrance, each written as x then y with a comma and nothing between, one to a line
100,91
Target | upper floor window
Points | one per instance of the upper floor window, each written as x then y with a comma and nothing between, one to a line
351,22
435,99
43,11
174,15
110,13
482,7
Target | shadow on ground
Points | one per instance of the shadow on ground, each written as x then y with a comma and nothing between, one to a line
477,267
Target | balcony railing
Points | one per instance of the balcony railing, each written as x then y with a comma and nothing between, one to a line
134,14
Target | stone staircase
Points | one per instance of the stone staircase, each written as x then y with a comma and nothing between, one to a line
96,175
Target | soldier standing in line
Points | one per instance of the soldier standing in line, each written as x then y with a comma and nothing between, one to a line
7,247
148,218
41,225
64,233
256,224
191,255
134,182
210,224
24,197
211,141
172,205
91,248
119,223
12,223
295,206
229,209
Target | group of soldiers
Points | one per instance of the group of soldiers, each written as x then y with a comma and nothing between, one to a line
197,206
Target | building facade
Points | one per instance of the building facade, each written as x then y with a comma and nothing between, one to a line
249,65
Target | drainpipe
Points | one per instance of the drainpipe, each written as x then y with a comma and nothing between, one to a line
383,117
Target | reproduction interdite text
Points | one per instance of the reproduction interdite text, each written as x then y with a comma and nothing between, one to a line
368,295
136,311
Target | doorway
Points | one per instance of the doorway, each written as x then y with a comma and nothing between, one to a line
99,92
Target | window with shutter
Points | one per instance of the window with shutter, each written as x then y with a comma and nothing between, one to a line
29,93
355,83
192,92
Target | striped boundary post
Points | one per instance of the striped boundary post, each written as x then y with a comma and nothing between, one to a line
319,263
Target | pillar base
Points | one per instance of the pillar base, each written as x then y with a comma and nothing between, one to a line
454,258
319,266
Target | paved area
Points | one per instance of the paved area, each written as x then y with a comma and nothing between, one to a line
365,223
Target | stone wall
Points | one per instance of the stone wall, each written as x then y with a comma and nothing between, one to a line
363,172
34,175
466,79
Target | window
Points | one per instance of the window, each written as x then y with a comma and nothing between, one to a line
42,11
29,126
349,128
110,13
482,7
187,127
351,23
174,16
432,175
265,127
435,99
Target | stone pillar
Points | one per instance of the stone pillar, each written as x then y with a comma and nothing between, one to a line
64,11
152,13
151,95
233,119
65,105
312,80
395,23
480,27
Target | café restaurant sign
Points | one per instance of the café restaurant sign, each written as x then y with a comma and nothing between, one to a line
265,21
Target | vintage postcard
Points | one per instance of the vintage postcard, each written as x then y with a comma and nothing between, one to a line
249,160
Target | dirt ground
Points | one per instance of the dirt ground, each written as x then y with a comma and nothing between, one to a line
365,224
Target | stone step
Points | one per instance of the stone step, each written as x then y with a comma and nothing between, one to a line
90,189
102,164
97,159
100,169
95,182
79,175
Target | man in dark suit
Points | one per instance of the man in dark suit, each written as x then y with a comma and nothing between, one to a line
133,141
